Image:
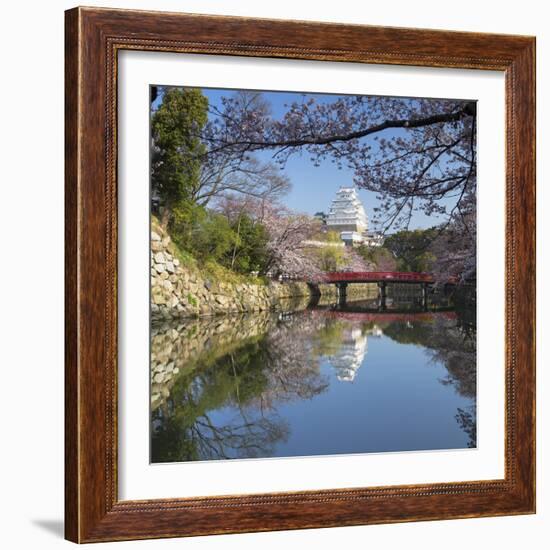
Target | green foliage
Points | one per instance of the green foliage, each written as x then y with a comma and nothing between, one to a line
205,234
185,218
249,252
175,127
411,249
212,237
224,250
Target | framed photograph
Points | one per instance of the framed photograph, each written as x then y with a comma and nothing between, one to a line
300,275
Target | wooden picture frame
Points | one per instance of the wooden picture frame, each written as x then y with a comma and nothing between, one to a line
93,511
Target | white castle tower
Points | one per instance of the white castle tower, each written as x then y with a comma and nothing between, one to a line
347,216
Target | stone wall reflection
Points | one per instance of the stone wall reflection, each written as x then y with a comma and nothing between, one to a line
247,364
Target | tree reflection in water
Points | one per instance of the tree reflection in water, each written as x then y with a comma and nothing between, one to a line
234,374
255,375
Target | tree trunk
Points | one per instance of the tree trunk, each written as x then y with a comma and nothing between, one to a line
164,217
234,256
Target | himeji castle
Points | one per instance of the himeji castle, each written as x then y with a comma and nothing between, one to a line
348,217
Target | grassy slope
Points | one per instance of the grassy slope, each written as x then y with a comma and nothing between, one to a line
209,269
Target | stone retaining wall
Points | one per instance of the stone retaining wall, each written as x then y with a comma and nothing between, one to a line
178,291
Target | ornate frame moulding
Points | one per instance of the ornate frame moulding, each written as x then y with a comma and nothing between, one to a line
94,36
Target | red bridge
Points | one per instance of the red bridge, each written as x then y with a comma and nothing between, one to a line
376,277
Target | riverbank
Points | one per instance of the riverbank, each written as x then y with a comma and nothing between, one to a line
183,291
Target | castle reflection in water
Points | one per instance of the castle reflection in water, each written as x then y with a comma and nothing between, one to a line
350,353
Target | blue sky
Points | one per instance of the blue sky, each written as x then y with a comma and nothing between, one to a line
314,187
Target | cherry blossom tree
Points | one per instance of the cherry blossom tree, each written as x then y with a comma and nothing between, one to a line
222,173
354,261
432,156
454,249
287,249
226,170
417,155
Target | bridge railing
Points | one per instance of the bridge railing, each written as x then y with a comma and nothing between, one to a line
395,276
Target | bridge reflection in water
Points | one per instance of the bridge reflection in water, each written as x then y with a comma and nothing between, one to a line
328,380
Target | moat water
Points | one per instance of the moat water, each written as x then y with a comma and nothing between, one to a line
324,380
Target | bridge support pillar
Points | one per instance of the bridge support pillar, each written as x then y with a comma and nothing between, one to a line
382,287
342,292
314,294
425,296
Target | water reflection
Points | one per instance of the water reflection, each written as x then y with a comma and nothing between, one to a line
318,381
349,353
